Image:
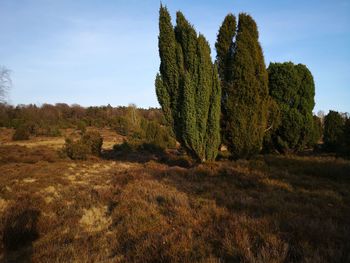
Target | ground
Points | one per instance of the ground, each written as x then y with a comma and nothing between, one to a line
148,208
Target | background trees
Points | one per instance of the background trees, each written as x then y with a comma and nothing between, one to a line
188,87
245,85
292,87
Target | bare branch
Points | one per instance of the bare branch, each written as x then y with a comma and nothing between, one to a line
5,82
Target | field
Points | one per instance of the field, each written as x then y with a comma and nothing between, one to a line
144,207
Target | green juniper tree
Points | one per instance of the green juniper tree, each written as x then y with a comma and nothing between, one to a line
292,87
188,87
242,68
224,48
334,124
224,52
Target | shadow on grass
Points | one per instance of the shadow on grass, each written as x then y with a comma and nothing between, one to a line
146,152
20,230
330,168
306,200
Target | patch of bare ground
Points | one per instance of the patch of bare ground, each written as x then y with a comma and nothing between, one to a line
269,209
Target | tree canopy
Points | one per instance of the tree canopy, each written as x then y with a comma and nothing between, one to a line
292,87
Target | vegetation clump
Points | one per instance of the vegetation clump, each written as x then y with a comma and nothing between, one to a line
22,133
90,143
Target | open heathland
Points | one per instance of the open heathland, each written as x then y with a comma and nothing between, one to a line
142,206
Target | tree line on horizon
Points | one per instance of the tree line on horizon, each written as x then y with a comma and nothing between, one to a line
236,101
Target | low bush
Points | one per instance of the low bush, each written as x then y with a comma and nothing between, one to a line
94,141
124,147
76,150
21,133
157,135
89,143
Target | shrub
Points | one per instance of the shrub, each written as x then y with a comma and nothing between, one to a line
76,150
155,134
89,143
21,133
124,147
81,126
94,141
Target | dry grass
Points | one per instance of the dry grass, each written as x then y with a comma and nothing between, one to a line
270,209
110,138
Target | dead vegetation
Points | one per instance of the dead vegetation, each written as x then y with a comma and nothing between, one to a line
165,209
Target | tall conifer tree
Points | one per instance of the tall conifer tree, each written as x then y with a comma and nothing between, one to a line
224,52
188,87
246,101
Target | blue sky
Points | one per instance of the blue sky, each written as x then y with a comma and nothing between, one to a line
99,52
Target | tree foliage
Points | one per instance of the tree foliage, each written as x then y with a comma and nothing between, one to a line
224,49
245,97
292,87
317,131
188,87
333,131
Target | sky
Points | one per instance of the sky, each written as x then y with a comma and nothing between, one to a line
94,52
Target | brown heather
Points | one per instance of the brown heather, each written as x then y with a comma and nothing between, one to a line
149,208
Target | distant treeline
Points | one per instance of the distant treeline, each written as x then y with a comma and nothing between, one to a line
63,115
142,128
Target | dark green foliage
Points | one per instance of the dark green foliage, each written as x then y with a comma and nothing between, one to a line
292,87
346,137
188,87
333,131
124,147
157,135
317,131
90,143
22,132
94,141
246,90
224,50
273,122
76,150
